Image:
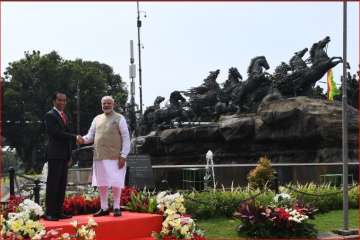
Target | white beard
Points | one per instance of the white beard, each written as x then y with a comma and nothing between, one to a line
106,111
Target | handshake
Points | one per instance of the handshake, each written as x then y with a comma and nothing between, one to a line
79,140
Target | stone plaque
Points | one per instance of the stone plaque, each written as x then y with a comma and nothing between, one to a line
139,171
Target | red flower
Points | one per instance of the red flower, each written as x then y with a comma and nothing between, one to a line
198,237
13,203
169,238
126,194
282,214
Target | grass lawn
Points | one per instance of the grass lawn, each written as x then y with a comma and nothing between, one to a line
334,220
226,228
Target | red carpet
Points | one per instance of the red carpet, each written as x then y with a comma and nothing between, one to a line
130,226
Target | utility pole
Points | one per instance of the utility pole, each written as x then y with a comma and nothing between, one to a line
78,109
344,123
345,155
139,51
132,74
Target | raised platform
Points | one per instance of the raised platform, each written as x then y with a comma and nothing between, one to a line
130,226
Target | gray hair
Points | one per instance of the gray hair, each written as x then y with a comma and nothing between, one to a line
107,98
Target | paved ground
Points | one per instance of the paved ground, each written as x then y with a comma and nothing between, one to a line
333,236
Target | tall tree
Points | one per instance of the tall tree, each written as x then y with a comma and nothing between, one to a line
28,88
352,84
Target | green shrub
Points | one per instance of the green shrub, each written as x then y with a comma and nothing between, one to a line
143,201
354,197
325,197
261,221
222,203
200,205
262,175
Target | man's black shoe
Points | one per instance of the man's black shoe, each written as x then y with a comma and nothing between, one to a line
102,212
51,218
64,216
117,212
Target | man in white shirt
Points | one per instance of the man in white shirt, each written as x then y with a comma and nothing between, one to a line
110,135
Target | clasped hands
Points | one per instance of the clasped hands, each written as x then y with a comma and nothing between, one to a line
79,140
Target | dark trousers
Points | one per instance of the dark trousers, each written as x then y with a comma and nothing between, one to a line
56,186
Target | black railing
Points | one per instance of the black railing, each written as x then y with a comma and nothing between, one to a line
35,185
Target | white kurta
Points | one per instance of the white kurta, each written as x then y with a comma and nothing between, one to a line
106,172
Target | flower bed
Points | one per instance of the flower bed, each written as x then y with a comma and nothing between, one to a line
282,219
177,225
22,223
89,202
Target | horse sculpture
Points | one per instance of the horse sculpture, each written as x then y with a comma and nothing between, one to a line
281,71
176,99
257,64
224,104
175,112
232,82
296,62
250,92
203,98
303,79
233,77
156,118
318,55
148,119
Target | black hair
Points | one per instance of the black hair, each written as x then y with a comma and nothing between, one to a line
55,95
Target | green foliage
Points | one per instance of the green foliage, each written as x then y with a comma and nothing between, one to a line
9,159
330,196
284,221
221,202
225,228
200,205
219,228
143,201
28,88
333,220
262,175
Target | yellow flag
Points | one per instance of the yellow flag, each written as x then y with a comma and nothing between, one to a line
332,89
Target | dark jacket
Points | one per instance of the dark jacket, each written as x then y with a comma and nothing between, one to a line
60,136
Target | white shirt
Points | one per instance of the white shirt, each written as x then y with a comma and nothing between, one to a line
58,111
106,172
124,131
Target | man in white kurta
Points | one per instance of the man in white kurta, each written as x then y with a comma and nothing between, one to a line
110,134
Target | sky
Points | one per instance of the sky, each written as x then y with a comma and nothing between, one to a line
181,41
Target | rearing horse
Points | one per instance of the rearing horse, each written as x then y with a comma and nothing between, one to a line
302,82
296,62
203,98
256,66
318,55
250,91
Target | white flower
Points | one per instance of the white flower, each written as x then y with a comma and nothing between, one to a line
90,235
282,197
30,207
92,223
82,231
66,236
184,229
296,216
74,223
